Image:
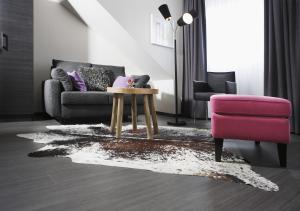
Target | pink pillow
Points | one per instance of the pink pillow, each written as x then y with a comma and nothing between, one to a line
122,82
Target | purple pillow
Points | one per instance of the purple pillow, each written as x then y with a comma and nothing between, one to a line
122,82
77,81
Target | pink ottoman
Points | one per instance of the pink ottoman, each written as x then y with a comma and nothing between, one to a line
246,117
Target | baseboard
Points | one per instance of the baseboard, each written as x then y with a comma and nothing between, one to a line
168,114
15,117
40,116
24,117
165,114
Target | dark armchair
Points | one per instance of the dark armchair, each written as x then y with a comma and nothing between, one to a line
217,83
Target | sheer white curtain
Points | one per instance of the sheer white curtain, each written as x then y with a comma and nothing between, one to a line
235,41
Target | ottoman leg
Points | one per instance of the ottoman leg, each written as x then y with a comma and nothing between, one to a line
282,148
218,149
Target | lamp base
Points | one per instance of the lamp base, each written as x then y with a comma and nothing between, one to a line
177,123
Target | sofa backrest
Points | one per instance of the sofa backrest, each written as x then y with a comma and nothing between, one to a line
70,66
116,70
216,80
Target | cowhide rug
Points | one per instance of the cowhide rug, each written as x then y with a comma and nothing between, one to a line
185,151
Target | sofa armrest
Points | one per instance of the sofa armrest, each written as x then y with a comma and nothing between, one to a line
52,95
230,87
200,86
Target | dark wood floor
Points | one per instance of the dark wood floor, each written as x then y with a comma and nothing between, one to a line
58,184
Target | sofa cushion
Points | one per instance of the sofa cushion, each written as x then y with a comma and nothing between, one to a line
203,96
85,98
77,81
68,66
95,78
248,105
122,82
140,81
60,75
115,70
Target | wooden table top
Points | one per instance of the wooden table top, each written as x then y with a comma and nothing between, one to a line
117,90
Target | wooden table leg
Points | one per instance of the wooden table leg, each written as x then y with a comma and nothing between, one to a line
153,114
120,115
114,114
133,113
148,117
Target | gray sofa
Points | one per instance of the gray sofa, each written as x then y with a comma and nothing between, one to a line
75,105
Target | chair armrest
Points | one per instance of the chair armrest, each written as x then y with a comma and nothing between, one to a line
230,87
52,97
200,86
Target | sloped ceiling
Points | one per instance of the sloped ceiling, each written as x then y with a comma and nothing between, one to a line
71,9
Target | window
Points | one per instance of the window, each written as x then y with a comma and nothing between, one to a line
235,41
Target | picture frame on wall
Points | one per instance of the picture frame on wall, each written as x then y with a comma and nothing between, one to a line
161,31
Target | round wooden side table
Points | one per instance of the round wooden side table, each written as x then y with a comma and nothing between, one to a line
149,109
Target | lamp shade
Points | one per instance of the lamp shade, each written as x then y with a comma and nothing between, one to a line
164,10
194,13
187,18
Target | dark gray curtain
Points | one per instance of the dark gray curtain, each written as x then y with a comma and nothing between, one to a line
282,53
194,59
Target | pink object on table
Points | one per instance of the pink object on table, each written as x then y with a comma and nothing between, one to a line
122,82
256,118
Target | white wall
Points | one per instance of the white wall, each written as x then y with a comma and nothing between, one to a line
134,17
109,38
57,34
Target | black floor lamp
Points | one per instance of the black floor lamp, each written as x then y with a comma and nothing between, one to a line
186,19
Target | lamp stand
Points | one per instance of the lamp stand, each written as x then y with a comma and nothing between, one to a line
177,122
186,19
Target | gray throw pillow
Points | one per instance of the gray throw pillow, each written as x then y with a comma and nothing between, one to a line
140,81
95,78
60,75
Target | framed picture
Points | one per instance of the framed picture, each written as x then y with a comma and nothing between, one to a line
161,31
